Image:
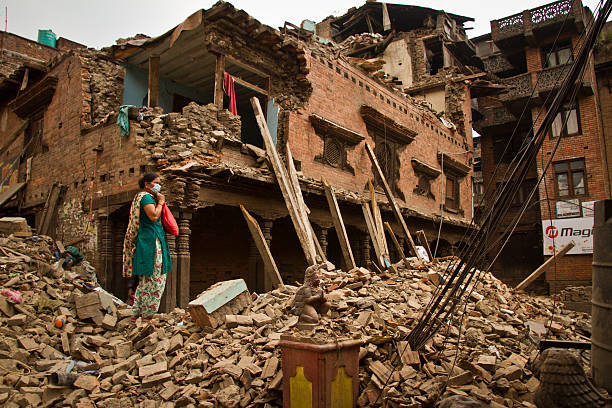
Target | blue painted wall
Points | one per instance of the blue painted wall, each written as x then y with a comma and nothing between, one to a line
135,90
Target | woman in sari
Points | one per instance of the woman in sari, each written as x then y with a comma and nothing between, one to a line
145,249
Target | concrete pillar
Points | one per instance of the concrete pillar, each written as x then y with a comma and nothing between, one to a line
184,259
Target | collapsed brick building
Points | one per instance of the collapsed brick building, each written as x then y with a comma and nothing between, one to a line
407,93
531,52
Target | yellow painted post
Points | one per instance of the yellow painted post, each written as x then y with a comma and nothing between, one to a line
300,389
342,390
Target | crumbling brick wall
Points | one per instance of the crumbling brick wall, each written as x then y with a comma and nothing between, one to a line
33,49
102,86
331,78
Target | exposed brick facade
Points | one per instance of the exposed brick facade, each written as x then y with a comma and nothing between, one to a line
588,144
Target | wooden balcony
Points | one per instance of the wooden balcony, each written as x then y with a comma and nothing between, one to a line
538,24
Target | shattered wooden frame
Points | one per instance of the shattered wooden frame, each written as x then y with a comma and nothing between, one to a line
425,174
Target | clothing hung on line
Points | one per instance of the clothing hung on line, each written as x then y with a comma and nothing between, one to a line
228,86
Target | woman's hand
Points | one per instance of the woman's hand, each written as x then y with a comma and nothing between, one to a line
160,198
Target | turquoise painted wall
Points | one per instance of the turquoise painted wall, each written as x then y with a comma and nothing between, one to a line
135,90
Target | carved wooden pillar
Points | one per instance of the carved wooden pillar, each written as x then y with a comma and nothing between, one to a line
105,251
119,286
168,302
184,259
322,237
253,263
266,229
365,248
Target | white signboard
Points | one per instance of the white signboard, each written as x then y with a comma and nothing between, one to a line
588,209
579,230
568,208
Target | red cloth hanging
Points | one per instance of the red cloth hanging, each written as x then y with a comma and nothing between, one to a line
228,86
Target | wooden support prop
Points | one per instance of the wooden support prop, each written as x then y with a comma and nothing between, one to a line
219,72
397,245
345,245
49,209
264,250
394,206
367,214
535,274
283,181
153,99
423,242
380,230
297,192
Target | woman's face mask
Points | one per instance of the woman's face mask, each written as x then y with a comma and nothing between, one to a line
156,188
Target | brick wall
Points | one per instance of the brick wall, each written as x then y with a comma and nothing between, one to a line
589,144
604,92
339,90
27,47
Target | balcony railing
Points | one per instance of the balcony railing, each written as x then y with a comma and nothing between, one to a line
551,78
496,63
519,23
519,86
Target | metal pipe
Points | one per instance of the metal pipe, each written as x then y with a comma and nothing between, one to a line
601,305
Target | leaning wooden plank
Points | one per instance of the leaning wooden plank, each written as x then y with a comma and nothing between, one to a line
10,192
367,214
297,191
535,274
262,247
345,245
320,252
397,245
50,208
283,182
423,242
380,231
396,211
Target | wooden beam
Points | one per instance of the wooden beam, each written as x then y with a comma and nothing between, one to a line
535,274
380,231
283,181
345,245
153,96
397,245
49,209
246,67
303,210
396,211
367,214
249,85
423,242
219,71
264,251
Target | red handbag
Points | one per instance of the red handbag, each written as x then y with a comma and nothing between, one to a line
168,221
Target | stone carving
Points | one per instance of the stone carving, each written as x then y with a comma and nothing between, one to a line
309,299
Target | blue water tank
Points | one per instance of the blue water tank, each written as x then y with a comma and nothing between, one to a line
47,37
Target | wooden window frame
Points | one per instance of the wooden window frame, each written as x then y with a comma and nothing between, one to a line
555,51
570,180
565,109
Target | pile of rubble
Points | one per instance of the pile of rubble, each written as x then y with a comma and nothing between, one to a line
100,357
357,42
195,133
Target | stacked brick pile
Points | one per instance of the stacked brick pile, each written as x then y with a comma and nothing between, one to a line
174,137
170,361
